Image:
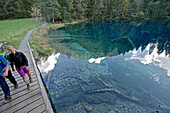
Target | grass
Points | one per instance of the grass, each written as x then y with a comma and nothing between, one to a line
39,44
12,32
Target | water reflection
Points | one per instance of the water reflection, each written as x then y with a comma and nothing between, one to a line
109,69
98,60
49,64
100,39
147,57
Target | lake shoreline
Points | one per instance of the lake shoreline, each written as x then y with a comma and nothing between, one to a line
38,42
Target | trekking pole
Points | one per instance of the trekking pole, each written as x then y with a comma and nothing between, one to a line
4,53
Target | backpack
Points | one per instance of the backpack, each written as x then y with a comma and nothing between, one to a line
2,64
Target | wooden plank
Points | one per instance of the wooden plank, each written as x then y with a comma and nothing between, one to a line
19,79
16,74
20,85
38,109
20,102
19,89
31,106
44,112
22,93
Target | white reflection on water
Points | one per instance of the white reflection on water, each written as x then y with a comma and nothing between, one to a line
162,60
97,60
145,57
49,64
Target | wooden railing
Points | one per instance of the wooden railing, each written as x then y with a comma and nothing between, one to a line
1,47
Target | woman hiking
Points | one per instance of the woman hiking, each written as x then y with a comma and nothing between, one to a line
21,64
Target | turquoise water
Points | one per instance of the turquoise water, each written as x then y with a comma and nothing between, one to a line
109,67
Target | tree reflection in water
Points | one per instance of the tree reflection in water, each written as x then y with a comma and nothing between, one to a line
118,66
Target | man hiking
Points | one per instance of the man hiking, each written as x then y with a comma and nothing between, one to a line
10,77
4,68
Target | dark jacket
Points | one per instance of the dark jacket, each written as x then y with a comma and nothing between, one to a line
18,60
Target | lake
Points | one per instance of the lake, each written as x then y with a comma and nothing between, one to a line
109,67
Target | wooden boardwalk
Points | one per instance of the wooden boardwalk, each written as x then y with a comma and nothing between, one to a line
23,101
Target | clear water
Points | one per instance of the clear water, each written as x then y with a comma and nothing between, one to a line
109,67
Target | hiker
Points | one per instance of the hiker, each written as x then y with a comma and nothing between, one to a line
10,77
4,67
21,64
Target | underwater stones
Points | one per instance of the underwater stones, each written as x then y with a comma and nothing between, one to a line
115,111
72,48
88,108
121,106
111,112
126,109
96,68
78,108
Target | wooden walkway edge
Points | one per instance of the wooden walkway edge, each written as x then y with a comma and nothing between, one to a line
44,93
23,101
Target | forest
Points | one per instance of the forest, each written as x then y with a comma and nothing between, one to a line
93,10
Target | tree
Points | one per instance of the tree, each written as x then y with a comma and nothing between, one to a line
15,9
50,9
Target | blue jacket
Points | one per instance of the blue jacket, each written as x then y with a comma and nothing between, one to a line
3,64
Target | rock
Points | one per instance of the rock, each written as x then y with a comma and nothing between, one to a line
111,112
115,111
88,108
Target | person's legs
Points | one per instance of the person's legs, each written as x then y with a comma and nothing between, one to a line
25,79
5,87
12,79
28,73
22,74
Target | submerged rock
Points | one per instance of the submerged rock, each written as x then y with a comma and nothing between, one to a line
88,108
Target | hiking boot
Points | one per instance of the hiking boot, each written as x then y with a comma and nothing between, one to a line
28,87
30,80
16,86
7,99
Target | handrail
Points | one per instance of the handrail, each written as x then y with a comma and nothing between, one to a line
1,45
4,52
44,94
